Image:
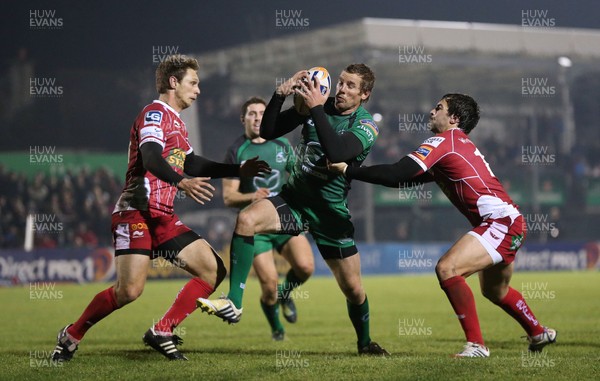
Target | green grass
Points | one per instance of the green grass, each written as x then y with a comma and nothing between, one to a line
321,346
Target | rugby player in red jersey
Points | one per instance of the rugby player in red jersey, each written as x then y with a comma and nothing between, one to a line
452,160
144,225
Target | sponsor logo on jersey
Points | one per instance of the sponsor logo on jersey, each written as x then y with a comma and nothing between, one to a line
370,124
176,158
153,117
464,140
151,132
434,141
368,131
271,182
422,152
139,226
137,234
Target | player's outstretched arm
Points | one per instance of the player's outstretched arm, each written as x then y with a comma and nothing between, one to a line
197,188
154,163
276,123
336,147
402,173
195,165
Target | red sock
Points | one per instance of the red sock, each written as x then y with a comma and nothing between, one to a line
184,304
103,304
514,305
461,297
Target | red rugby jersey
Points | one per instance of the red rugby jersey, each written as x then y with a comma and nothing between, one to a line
462,173
158,123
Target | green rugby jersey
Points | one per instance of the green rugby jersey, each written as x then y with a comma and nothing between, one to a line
277,153
310,179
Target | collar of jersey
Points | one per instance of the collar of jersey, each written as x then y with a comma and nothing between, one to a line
166,106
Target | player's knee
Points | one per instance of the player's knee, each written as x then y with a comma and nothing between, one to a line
246,222
127,294
268,284
444,270
304,270
494,294
354,293
269,292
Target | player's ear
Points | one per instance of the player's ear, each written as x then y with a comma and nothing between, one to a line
454,119
173,81
365,95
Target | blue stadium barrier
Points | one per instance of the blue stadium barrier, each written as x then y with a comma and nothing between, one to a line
18,267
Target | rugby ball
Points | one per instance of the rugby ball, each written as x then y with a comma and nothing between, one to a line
325,84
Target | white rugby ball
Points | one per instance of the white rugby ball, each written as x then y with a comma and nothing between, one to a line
325,84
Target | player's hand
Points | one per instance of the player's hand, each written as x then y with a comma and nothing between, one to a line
253,167
198,188
288,86
339,168
260,194
311,92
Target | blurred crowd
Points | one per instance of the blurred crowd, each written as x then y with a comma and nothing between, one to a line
71,209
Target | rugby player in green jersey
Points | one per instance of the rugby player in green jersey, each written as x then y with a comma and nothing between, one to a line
337,129
241,192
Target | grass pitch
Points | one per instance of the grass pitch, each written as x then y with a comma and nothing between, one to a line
410,317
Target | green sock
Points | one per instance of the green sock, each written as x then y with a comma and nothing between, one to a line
272,314
291,282
241,258
359,315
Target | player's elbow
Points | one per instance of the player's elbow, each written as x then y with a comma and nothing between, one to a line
228,202
228,199
231,201
148,163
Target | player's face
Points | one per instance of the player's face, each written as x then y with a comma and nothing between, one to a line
187,90
348,95
439,120
252,119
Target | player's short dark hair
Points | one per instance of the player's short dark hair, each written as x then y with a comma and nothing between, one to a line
251,101
465,108
366,75
173,66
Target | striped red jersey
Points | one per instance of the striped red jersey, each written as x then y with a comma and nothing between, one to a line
462,173
158,123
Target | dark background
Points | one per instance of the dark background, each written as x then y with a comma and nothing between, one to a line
102,54
102,57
